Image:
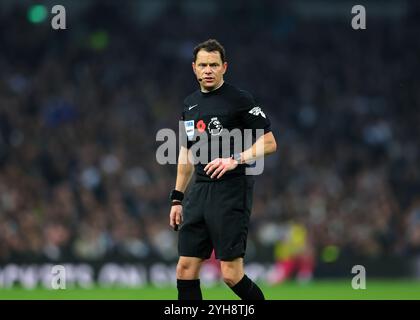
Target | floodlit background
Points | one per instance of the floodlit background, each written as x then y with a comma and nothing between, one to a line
80,109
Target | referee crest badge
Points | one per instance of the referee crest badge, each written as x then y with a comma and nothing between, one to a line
215,127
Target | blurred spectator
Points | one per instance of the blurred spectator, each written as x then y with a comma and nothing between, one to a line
294,255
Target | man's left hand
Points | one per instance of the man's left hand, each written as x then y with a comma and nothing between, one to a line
219,166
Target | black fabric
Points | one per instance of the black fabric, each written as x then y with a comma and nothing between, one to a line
246,289
176,195
216,215
211,118
189,289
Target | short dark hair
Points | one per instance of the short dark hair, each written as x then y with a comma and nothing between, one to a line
209,46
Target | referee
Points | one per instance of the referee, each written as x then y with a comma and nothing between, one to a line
217,210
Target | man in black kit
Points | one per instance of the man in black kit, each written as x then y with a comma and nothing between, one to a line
218,207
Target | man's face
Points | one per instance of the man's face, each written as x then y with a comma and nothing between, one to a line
210,69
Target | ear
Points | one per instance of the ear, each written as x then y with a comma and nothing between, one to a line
193,67
225,65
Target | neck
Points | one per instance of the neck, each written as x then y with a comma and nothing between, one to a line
215,88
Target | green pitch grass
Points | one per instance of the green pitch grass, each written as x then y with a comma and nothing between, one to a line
316,290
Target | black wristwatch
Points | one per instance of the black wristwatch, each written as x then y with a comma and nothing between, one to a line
176,195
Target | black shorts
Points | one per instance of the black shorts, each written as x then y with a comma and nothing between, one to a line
216,216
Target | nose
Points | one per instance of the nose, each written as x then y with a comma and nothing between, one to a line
207,70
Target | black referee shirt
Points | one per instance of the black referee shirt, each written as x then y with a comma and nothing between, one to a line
215,114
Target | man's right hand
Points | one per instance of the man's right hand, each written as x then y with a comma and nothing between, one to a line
175,217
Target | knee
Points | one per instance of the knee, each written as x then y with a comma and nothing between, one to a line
230,280
187,270
231,275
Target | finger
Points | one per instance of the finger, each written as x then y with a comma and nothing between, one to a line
209,164
181,217
210,169
217,171
222,173
173,216
213,167
171,220
178,220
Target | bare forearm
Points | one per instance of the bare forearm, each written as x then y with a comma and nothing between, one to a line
264,146
183,178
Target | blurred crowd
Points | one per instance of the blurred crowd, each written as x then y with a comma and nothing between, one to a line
80,109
